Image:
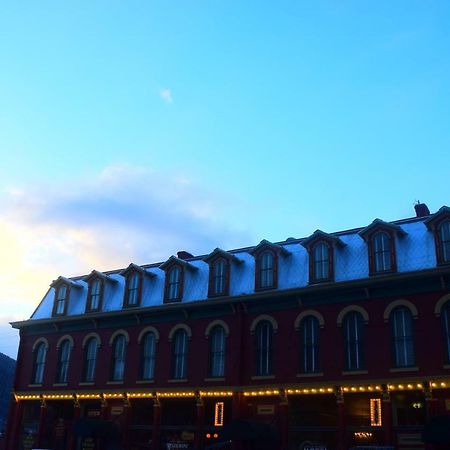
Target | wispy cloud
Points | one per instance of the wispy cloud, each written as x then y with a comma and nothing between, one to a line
124,214
166,95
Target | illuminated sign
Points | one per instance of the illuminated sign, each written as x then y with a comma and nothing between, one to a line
218,414
375,412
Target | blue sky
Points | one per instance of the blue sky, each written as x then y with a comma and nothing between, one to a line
130,130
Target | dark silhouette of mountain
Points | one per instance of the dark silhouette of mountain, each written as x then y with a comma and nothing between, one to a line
7,368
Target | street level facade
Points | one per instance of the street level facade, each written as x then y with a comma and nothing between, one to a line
330,341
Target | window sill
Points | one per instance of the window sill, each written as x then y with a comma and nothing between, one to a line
355,372
145,381
35,385
263,377
215,379
59,384
309,374
404,369
86,383
115,382
177,380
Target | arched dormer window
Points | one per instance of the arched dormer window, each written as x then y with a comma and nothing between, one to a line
321,249
175,269
380,237
439,224
97,282
62,287
266,264
134,280
220,262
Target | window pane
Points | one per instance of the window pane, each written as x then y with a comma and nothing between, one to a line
148,356
133,289
179,355
118,367
401,328
95,294
90,355
61,300
381,252
263,335
63,363
445,241
174,283
218,278
217,352
446,330
321,262
353,335
266,270
309,331
39,364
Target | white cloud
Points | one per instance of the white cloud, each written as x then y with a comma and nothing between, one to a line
124,214
166,95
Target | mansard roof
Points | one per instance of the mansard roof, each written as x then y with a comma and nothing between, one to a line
320,235
379,224
265,244
97,274
218,252
63,280
174,260
434,219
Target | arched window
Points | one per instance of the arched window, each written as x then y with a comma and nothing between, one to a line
60,307
402,337
353,326
309,345
445,315
148,353
118,358
39,363
219,276
264,349
63,362
174,284
381,252
133,289
179,354
266,270
95,291
444,241
90,359
217,352
321,262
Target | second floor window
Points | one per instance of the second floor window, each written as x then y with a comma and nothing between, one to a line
90,359
39,363
321,262
174,284
445,316
402,337
264,350
381,252
444,242
148,350
217,352
118,358
179,355
353,327
63,362
309,345
266,270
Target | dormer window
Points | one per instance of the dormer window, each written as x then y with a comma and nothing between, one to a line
97,282
266,264
444,242
321,249
175,269
133,289
439,224
380,237
174,285
267,270
220,263
61,300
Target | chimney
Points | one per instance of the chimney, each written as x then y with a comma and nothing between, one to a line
184,255
421,209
